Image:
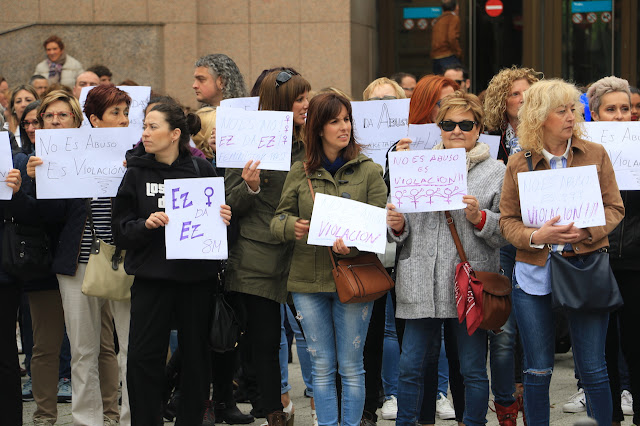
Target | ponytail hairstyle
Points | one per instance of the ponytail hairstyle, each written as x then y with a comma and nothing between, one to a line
176,119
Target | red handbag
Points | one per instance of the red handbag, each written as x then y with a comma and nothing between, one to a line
482,298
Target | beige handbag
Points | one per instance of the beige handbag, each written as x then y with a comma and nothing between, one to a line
105,275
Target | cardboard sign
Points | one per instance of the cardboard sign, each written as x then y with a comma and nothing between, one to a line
81,163
572,193
247,104
195,229
6,164
253,135
139,100
380,124
358,224
427,181
621,139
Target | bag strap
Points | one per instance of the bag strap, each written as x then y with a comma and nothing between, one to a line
313,196
527,156
195,165
87,203
456,238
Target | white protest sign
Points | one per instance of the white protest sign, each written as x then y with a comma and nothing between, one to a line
195,229
6,164
81,163
572,193
247,104
380,124
358,224
430,180
139,100
426,136
253,135
621,139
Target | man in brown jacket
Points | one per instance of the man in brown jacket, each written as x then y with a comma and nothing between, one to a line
445,39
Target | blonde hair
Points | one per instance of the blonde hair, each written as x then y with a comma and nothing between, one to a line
332,89
539,101
60,95
463,102
381,82
604,86
208,123
499,89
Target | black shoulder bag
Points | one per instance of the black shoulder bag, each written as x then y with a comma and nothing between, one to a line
26,250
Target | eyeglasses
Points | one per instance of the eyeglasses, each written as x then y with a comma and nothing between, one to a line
62,116
282,78
459,82
33,123
465,125
384,98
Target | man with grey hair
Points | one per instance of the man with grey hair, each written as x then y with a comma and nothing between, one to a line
217,77
85,79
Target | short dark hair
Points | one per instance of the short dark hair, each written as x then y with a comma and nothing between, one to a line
100,70
102,97
634,90
176,119
449,5
54,39
397,77
322,109
34,78
465,73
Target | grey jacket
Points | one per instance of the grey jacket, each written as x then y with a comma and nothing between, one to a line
428,257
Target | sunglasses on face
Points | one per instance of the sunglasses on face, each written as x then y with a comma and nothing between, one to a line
282,78
459,82
383,98
465,125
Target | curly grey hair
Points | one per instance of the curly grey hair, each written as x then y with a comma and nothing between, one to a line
219,64
603,86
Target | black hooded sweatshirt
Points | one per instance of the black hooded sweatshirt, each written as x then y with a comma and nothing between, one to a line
142,193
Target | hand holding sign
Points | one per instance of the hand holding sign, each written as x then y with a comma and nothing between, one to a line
550,233
6,168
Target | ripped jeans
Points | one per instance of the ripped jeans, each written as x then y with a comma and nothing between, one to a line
335,334
588,336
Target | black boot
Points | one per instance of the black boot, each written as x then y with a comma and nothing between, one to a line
231,414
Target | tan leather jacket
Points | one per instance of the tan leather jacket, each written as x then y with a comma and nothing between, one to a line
582,153
445,39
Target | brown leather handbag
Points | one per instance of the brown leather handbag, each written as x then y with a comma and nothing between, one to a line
495,297
358,279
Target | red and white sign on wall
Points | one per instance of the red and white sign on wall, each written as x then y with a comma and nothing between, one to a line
591,17
577,18
422,23
606,17
493,8
408,24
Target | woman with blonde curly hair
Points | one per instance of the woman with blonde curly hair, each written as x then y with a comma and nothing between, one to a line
551,137
502,101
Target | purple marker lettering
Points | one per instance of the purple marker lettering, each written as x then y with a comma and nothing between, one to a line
173,198
184,203
185,229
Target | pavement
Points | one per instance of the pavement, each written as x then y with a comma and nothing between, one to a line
563,385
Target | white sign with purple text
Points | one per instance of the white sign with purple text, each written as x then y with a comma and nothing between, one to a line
195,229
6,164
426,136
358,224
429,180
253,135
572,193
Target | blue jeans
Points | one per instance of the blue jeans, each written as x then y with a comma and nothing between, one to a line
443,369
284,354
439,65
588,336
501,359
303,353
472,351
335,334
391,352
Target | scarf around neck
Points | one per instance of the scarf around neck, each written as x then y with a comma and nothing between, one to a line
333,167
476,155
55,68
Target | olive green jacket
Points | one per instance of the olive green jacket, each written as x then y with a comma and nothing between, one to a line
359,179
258,262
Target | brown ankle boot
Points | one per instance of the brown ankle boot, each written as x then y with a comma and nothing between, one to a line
507,415
277,418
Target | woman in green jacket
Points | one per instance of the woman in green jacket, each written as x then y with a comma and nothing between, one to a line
258,263
336,167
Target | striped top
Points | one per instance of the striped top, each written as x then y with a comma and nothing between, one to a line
101,212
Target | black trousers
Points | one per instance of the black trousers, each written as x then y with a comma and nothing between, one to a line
10,391
262,336
153,305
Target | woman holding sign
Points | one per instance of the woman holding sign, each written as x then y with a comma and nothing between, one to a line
163,287
424,286
258,263
550,135
335,331
609,100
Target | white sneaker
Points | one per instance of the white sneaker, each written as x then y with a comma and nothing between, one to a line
626,403
444,409
389,410
576,404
